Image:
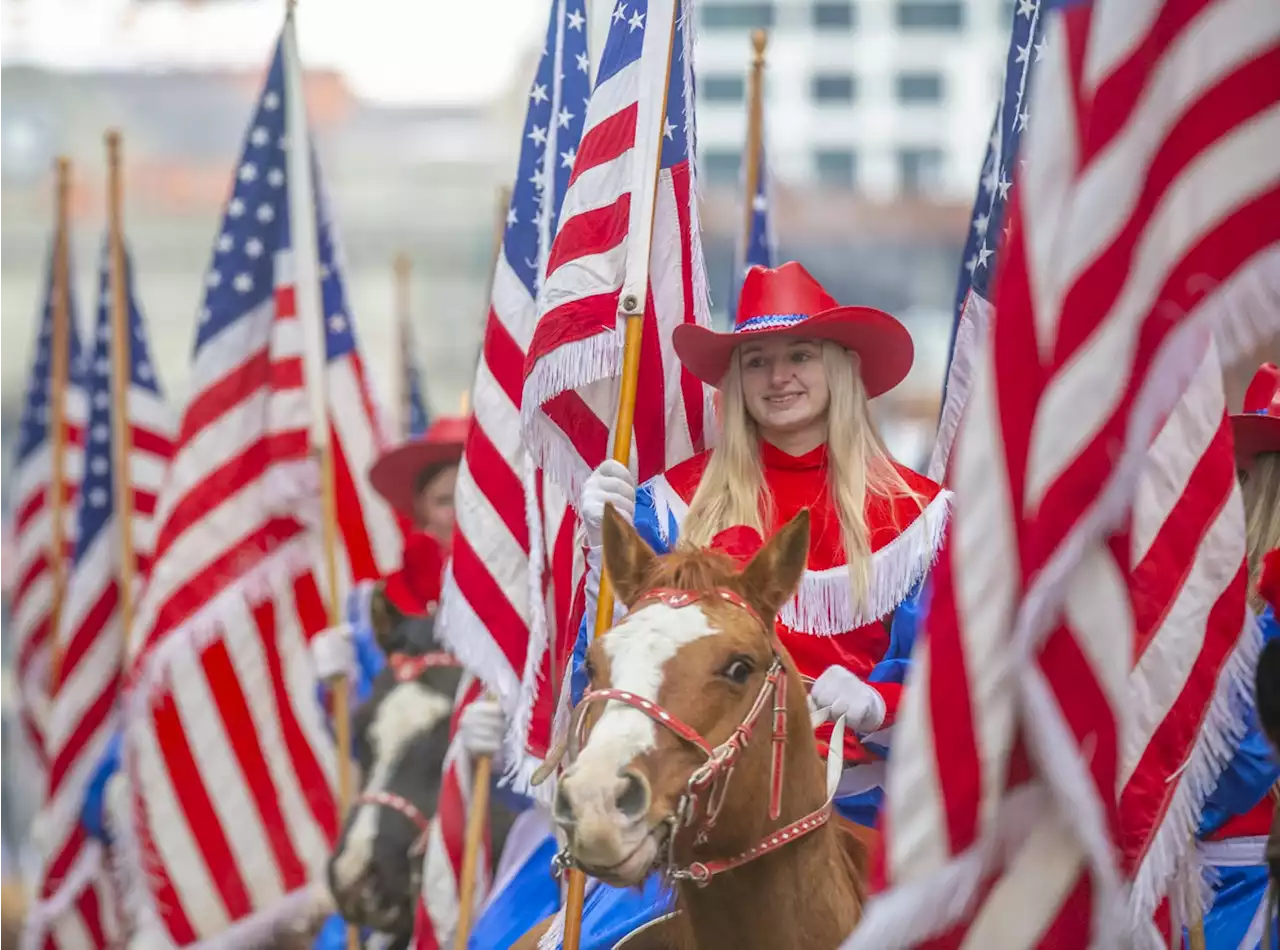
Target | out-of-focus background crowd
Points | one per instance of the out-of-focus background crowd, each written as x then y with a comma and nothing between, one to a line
877,116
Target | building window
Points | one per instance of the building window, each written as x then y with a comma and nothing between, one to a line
833,15
930,15
918,88
920,170
722,88
737,16
721,166
832,88
835,167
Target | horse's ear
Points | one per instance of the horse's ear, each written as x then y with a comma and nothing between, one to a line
384,617
627,557
774,573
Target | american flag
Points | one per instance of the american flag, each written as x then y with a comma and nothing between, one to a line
415,418
515,559
229,758
602,259
759,247
1057,676
77,907
436,913
32,588
493,611
987,225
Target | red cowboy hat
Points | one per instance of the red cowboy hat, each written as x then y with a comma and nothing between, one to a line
395,474
1257,429
787,301
415,588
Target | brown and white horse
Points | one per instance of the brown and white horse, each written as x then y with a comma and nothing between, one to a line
693,754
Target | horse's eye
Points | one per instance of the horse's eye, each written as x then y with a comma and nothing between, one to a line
589,670
737,671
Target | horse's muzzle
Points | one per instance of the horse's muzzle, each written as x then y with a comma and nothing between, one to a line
605,820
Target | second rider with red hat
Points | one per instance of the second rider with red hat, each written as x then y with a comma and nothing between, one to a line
416,478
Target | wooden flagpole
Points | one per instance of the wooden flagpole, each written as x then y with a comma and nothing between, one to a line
631,307
755,131
478,810
121,376
402,269
59,377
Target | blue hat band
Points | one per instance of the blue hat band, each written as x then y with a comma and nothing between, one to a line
771,321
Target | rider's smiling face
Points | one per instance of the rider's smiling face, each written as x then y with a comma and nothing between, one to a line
785,387
434,503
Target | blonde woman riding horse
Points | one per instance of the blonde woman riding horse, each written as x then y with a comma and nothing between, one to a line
796,375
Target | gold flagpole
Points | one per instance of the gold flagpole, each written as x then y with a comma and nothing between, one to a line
59,376
755,131
479,807
121,343
631,307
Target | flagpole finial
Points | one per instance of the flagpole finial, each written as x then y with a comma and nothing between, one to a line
759,40
113,146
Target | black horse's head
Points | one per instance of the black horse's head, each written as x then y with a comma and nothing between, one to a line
400,736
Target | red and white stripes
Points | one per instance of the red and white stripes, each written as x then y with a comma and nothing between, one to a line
494,613
230,763
77,901
603,253
32,571
436,914
1146,221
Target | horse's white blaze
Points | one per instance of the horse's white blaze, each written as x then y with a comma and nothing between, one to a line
639,649
404,713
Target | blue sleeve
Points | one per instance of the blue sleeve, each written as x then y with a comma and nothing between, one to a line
907,618
93,811
647,526
370,660
1251,772
332,935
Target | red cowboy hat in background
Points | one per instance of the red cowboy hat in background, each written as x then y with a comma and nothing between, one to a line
394,474
1257,428
788,301
415,588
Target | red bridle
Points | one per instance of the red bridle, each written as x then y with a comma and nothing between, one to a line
408,667
705,793
399,803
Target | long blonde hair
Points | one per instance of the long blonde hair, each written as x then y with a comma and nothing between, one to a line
733,490
1261,490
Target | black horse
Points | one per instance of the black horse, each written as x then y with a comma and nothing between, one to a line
400,736
1267,685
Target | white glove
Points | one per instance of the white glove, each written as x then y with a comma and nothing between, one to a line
334,652
482,726
116,796
612,482
844,694
818,715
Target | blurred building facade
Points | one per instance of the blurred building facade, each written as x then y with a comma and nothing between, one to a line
889,97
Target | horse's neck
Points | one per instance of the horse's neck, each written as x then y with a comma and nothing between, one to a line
797,898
